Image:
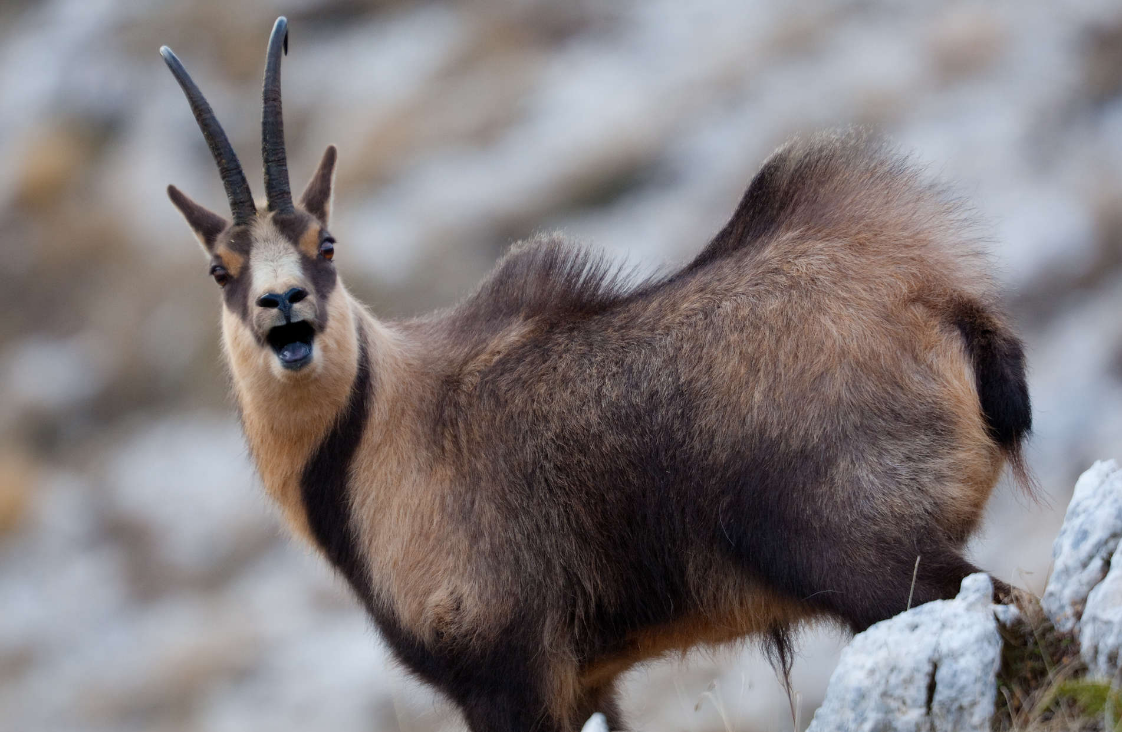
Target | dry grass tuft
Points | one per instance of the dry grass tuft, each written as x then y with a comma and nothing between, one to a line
1043,686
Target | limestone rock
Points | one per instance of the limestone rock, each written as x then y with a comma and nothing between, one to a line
1088,538
1100,629
929,669
596,723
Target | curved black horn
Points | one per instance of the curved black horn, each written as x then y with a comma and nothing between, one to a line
272,123
237,189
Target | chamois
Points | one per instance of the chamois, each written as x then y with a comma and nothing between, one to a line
570,472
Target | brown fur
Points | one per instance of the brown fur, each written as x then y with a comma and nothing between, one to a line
231,260
568,474
837,326
281,445
310,239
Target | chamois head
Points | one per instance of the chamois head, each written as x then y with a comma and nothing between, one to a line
274,265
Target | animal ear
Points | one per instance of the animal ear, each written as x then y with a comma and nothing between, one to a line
316,198
206,224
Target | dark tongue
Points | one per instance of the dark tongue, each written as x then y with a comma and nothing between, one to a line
295,351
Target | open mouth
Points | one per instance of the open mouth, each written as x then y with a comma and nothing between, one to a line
292,342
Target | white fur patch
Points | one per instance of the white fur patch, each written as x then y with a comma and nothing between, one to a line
274,264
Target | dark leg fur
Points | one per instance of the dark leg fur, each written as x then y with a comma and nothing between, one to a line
515,709
860,579
498,686
504,696
882,591
501,691
518,708
600,699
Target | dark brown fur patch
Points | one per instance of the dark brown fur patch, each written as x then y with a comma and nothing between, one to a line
999,370
305,234
206,224
325,483
316,198
232,252
546,277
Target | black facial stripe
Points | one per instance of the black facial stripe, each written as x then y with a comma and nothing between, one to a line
319,271
321,275
324,483
236,294
239,241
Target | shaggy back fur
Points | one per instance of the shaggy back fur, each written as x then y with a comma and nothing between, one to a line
568,474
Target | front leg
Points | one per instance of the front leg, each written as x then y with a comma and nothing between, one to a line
516,708
600,698
504,687
504,678
521,706
506,693
512,698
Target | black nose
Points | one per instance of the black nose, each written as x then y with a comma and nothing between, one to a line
283,302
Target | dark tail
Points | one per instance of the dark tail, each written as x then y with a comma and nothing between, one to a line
999,371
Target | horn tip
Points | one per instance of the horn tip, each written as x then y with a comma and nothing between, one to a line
280,33
172,61
281,28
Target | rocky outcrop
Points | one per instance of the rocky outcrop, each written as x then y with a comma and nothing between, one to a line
1084,593
935,667
929,669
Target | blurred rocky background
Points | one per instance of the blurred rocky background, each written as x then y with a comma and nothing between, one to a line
145,583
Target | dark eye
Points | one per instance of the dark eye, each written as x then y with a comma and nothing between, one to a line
220,275
327,248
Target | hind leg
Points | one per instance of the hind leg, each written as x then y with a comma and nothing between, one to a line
861,579
939,574
871,593
843,554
